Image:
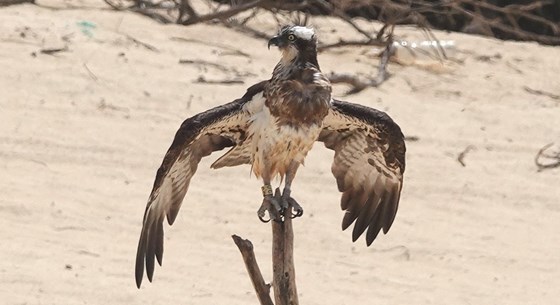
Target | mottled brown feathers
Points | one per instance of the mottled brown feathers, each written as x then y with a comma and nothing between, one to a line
388,132
296,103
368,166
198,136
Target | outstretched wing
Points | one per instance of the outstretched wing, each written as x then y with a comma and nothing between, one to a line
368,165
198,136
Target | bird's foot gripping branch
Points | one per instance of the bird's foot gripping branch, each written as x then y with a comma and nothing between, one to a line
276,205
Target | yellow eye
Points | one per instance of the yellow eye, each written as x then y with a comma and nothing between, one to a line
291,37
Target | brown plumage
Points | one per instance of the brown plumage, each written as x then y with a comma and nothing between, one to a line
272,127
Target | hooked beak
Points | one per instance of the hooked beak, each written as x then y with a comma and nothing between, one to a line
275,41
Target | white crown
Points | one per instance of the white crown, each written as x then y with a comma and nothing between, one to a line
303,32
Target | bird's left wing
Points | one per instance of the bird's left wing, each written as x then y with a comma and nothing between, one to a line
368,165
198,136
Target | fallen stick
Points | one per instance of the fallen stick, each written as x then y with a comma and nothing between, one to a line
51,51
141,43
463,154
540,92
202,80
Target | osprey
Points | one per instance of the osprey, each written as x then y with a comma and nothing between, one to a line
273,127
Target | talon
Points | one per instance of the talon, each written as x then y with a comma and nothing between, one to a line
264,220
295,208
272,205
299,213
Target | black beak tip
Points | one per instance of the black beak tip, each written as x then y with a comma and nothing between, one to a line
274,41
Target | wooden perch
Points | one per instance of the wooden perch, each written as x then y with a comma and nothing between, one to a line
284,283
284,276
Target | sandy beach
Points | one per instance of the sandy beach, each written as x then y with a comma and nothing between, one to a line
84,130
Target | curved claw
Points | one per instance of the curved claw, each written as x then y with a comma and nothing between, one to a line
299,213
295,207
273,207
264,220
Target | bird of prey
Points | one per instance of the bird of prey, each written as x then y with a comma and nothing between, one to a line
272,128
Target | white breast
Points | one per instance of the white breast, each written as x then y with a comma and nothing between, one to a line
275,146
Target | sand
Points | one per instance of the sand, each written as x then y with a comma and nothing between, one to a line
84,131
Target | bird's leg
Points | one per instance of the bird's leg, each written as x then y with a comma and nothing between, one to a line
287,199
271,202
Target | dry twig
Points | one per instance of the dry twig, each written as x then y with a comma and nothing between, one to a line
143,44
382,74
221,15
91,74
202,80
540,92
204,63
541,154
463,154
351,43
52,51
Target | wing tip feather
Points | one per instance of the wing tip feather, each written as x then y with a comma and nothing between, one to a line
139,267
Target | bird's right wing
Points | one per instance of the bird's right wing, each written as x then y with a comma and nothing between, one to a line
198,136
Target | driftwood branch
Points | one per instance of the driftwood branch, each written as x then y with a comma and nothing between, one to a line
12,2
234,10
185,8
143,7
382,74
263,290
350,43
534,20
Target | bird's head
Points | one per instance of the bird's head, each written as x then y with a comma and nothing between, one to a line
294,40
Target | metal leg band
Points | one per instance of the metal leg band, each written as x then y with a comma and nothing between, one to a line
266,190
